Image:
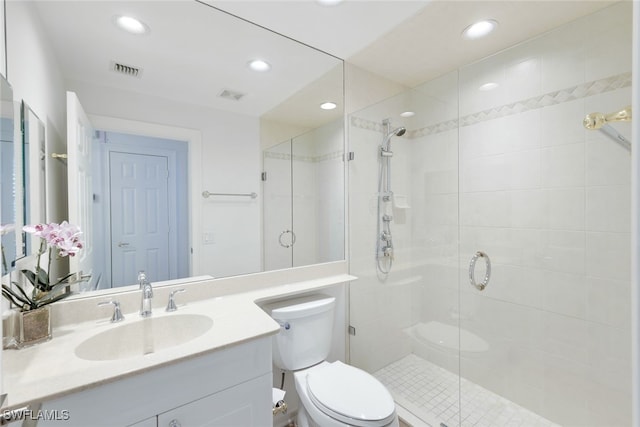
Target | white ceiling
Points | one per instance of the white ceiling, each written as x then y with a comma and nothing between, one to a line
341,30
409,42
429,44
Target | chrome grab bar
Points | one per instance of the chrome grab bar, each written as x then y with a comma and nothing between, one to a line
293,238
472,267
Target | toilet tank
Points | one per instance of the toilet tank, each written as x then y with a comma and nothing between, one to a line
306,330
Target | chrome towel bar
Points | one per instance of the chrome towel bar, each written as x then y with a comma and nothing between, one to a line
207,194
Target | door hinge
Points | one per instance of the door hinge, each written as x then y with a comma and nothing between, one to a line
352,330
263,176
351,156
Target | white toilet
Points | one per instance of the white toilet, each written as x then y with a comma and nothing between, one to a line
331,394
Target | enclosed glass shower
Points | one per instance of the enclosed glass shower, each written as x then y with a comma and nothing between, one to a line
303,215
497,182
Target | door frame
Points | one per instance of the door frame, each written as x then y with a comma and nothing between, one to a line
191,137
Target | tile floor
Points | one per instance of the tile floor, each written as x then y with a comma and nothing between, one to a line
431,393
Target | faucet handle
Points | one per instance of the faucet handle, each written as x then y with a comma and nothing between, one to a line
171,306
142,278
117,313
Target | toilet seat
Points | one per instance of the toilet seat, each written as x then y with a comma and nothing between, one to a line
350,395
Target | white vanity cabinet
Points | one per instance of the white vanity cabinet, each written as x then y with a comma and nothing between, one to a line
239,406
227,387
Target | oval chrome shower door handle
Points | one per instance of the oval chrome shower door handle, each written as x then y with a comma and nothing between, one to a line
472,268
293,239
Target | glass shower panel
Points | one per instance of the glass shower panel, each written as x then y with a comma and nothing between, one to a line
404,307
277,206
548,340
318,210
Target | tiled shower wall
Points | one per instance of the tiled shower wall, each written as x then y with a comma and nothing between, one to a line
513,173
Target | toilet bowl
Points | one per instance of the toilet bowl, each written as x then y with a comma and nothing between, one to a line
331,394
336,394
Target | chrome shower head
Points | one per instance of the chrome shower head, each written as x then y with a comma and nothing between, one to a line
396,132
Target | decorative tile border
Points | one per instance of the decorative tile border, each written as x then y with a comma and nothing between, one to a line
552,98
366,124
308,159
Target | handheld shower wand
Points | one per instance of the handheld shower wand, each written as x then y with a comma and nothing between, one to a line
384,240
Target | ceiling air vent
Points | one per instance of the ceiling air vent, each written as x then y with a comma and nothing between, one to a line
231,95
127,70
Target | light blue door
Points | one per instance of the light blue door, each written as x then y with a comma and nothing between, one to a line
139,217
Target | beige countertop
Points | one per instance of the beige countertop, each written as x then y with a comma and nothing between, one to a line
52,369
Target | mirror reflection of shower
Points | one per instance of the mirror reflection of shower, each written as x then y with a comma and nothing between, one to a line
384,238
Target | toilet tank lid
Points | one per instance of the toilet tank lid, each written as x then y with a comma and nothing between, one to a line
300,307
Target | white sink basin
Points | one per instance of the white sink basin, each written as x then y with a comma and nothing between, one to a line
143,337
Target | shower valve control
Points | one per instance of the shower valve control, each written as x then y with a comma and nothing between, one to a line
388,251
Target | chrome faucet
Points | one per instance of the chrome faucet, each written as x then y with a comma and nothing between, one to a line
147,294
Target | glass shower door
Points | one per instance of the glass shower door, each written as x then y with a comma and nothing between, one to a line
303,214
546,342
277,207
318,210
405,321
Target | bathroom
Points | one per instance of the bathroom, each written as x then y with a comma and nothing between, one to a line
507,171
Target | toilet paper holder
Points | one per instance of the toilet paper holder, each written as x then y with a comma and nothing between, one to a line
280,407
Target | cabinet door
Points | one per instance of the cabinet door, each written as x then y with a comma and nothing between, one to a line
246,404
149,422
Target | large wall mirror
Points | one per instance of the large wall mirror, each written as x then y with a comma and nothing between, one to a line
170,131
9,178
33,173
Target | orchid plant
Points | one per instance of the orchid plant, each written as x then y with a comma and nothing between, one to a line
59,240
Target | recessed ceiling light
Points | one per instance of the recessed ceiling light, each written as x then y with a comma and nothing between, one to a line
328,105
407,114
488,86
259,65
329,2
479,29
131,24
